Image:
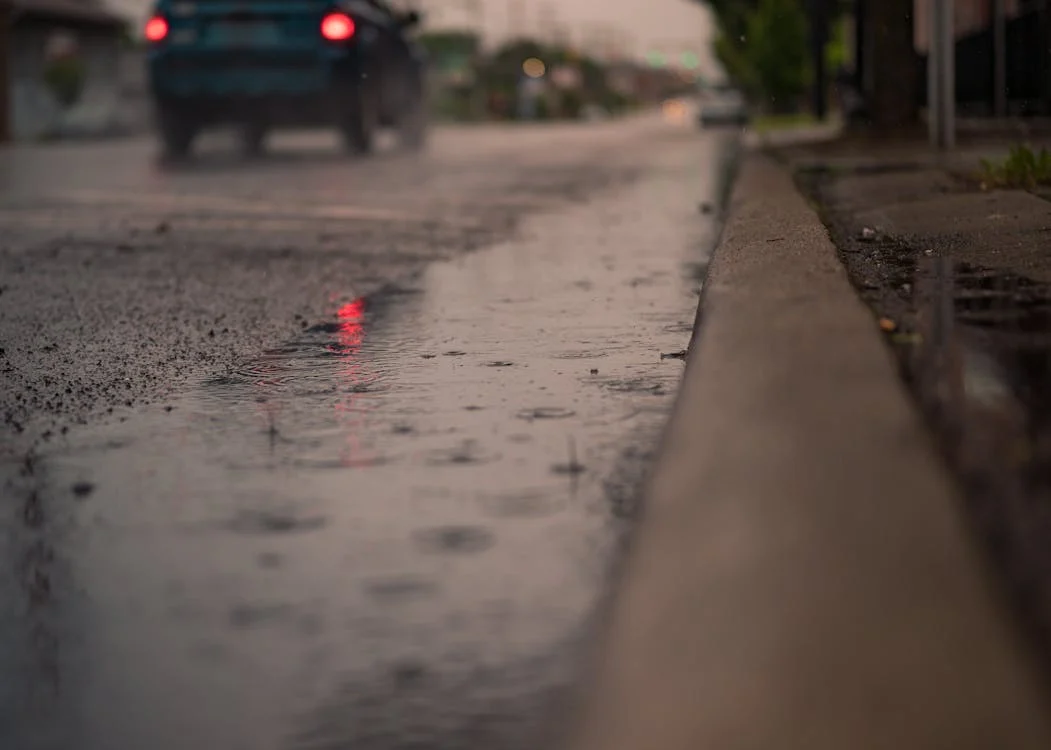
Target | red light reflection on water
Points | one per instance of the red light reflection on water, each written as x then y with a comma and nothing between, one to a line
350,336
276,373
352,324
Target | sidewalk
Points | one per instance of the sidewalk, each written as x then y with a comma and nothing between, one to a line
805,575
961,277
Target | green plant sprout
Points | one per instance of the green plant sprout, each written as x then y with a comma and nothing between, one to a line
1023,168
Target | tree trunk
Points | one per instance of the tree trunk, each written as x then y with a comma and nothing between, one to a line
818,43
894,73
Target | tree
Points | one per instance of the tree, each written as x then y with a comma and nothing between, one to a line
762,45
449,45
731,42
888,29
776,52
894,72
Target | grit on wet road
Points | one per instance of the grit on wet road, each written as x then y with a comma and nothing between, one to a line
319,453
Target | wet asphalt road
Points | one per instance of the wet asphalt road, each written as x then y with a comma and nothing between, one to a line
284,466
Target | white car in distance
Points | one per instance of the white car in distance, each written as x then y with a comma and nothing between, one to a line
722,104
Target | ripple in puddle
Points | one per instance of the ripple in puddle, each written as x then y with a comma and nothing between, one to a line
394,590
679,328
332,327
370,387
226,381
455,539
263,522
466,454
254,615
333,464
287,350
579,354
401,291
546,412
636,385
529,504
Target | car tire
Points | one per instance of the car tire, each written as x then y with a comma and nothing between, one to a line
360,119
178,130
412,125
253,139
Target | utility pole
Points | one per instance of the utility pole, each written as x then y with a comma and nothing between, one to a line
941,76
1044,55
999,59
5,72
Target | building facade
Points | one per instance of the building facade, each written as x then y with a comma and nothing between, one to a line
1003,64
969,16
63,68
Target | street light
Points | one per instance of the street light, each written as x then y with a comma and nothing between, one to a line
534,68
655,59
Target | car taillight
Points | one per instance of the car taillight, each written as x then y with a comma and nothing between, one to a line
337,27
156,29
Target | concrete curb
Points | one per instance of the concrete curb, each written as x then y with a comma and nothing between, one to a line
801,577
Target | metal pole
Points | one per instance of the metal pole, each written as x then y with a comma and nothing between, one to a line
933,77
941,76
999,59
1043,55
5,72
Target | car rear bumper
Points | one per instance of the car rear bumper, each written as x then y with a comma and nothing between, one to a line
723,117
320,109
221,75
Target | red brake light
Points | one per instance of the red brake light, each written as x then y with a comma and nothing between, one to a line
156,29
337,27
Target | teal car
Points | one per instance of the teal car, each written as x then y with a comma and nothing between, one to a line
259,65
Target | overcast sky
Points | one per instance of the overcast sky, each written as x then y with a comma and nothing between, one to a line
672,26
633,26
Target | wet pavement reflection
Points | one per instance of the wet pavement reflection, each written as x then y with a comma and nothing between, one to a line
973,343
392,531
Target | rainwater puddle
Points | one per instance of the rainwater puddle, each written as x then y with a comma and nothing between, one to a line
976,347
394,529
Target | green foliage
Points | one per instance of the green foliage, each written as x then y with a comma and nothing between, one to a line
764,45
504,66
456,43
732,14
771,123
613,101
735,62
837,53
572,104
1023,168
64,77
497,77
776,52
